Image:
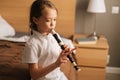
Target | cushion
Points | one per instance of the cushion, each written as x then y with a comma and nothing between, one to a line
5,28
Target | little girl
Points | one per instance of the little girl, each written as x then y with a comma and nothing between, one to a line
42,53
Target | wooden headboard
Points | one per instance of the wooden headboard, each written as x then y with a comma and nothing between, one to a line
16,13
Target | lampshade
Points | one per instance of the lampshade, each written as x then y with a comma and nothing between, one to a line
96,6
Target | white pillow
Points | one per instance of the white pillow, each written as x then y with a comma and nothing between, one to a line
5,28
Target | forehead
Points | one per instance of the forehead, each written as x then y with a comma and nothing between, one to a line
49,12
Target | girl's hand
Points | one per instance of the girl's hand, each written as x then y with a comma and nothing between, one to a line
63,55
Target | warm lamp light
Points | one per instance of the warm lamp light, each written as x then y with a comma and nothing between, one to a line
96,6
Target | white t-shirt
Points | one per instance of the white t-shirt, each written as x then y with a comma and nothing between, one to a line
43,50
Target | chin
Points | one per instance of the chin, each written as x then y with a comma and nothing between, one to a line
49,31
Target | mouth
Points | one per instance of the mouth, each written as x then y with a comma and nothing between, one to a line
51,29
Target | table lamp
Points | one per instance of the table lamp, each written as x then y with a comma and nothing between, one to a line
96,6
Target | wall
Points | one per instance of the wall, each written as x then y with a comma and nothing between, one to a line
16,13
107,24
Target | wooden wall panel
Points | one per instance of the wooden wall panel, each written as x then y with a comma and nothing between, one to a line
16,12
66,16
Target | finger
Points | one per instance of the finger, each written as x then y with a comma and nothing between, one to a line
65,59
63,52
66,47
71,51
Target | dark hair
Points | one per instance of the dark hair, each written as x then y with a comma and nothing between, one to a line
36,10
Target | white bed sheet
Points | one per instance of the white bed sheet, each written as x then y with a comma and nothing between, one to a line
24,38
15,39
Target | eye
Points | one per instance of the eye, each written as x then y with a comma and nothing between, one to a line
47,20
55,19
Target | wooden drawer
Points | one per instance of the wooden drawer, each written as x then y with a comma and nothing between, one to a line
91,57
88,73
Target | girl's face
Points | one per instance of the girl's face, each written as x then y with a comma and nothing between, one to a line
47,21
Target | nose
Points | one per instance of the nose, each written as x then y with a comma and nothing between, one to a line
52,23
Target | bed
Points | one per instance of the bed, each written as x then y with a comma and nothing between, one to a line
11,67
11,49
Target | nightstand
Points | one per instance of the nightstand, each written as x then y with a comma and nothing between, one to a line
92,58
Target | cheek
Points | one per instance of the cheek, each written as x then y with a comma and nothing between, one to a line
47,24
55,23
41,24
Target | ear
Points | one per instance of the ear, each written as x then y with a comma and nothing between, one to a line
35,20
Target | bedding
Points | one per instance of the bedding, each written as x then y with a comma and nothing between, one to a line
11,67
15,39
23,37
5,28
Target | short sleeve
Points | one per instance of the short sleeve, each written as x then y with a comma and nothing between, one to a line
30,54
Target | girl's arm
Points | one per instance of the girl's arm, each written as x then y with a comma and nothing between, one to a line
37,72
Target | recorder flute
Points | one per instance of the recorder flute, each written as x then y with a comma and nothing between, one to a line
61,44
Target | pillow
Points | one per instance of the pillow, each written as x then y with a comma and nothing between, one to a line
5,28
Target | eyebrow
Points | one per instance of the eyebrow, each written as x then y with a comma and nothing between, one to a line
48,18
